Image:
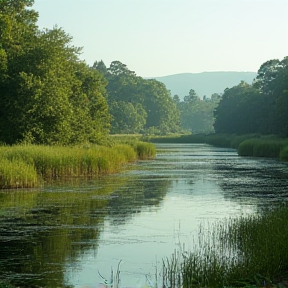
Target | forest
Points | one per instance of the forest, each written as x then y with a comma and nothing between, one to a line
258,108
49,96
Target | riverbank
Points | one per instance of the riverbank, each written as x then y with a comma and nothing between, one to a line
28,166
255,145
245,252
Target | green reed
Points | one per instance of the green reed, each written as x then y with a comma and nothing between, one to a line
247,145
144,150
263,147
284,153
20,164
16,173
244,252
215,139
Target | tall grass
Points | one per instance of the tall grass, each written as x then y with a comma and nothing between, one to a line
262,147
247,145
219,140
284,153
143,150
22,165
16,173
244,252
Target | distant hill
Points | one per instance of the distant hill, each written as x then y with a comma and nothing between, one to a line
205,83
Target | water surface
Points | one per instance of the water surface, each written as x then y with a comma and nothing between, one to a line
66,234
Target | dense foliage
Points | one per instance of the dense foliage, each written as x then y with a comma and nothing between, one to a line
26,166
197,115
48,95
136,104
258,108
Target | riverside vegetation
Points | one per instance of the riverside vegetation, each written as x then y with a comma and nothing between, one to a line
244,252
23,166
255,145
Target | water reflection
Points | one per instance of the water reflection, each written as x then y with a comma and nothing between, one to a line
41,231
62,235
134,196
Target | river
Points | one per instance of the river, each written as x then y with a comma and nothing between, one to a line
67,234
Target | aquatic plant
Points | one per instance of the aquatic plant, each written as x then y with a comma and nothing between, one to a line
262,147
239,252
114,278
219,140
284,154
144,150
15,173
247,145
26,165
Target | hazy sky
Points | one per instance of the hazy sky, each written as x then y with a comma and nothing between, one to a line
163,37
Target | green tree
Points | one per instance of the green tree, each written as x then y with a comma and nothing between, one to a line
47,94
272,82
191,97
90,107
127,119
176,99
239,110
215,97
162,112
139,95
125,105
266,73
101,67
196,115
18,31
276,94
18,27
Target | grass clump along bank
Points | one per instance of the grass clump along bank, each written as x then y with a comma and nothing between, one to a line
255,145
16,173
243,252
215,139
28,165
284,153
263,147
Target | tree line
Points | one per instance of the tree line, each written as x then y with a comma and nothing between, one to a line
49,96
196,115
258,108
138,105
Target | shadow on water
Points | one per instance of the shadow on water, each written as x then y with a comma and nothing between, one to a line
134,196
43,230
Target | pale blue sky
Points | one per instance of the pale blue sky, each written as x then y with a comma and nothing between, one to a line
164,37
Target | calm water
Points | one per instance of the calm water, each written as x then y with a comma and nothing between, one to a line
67,234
